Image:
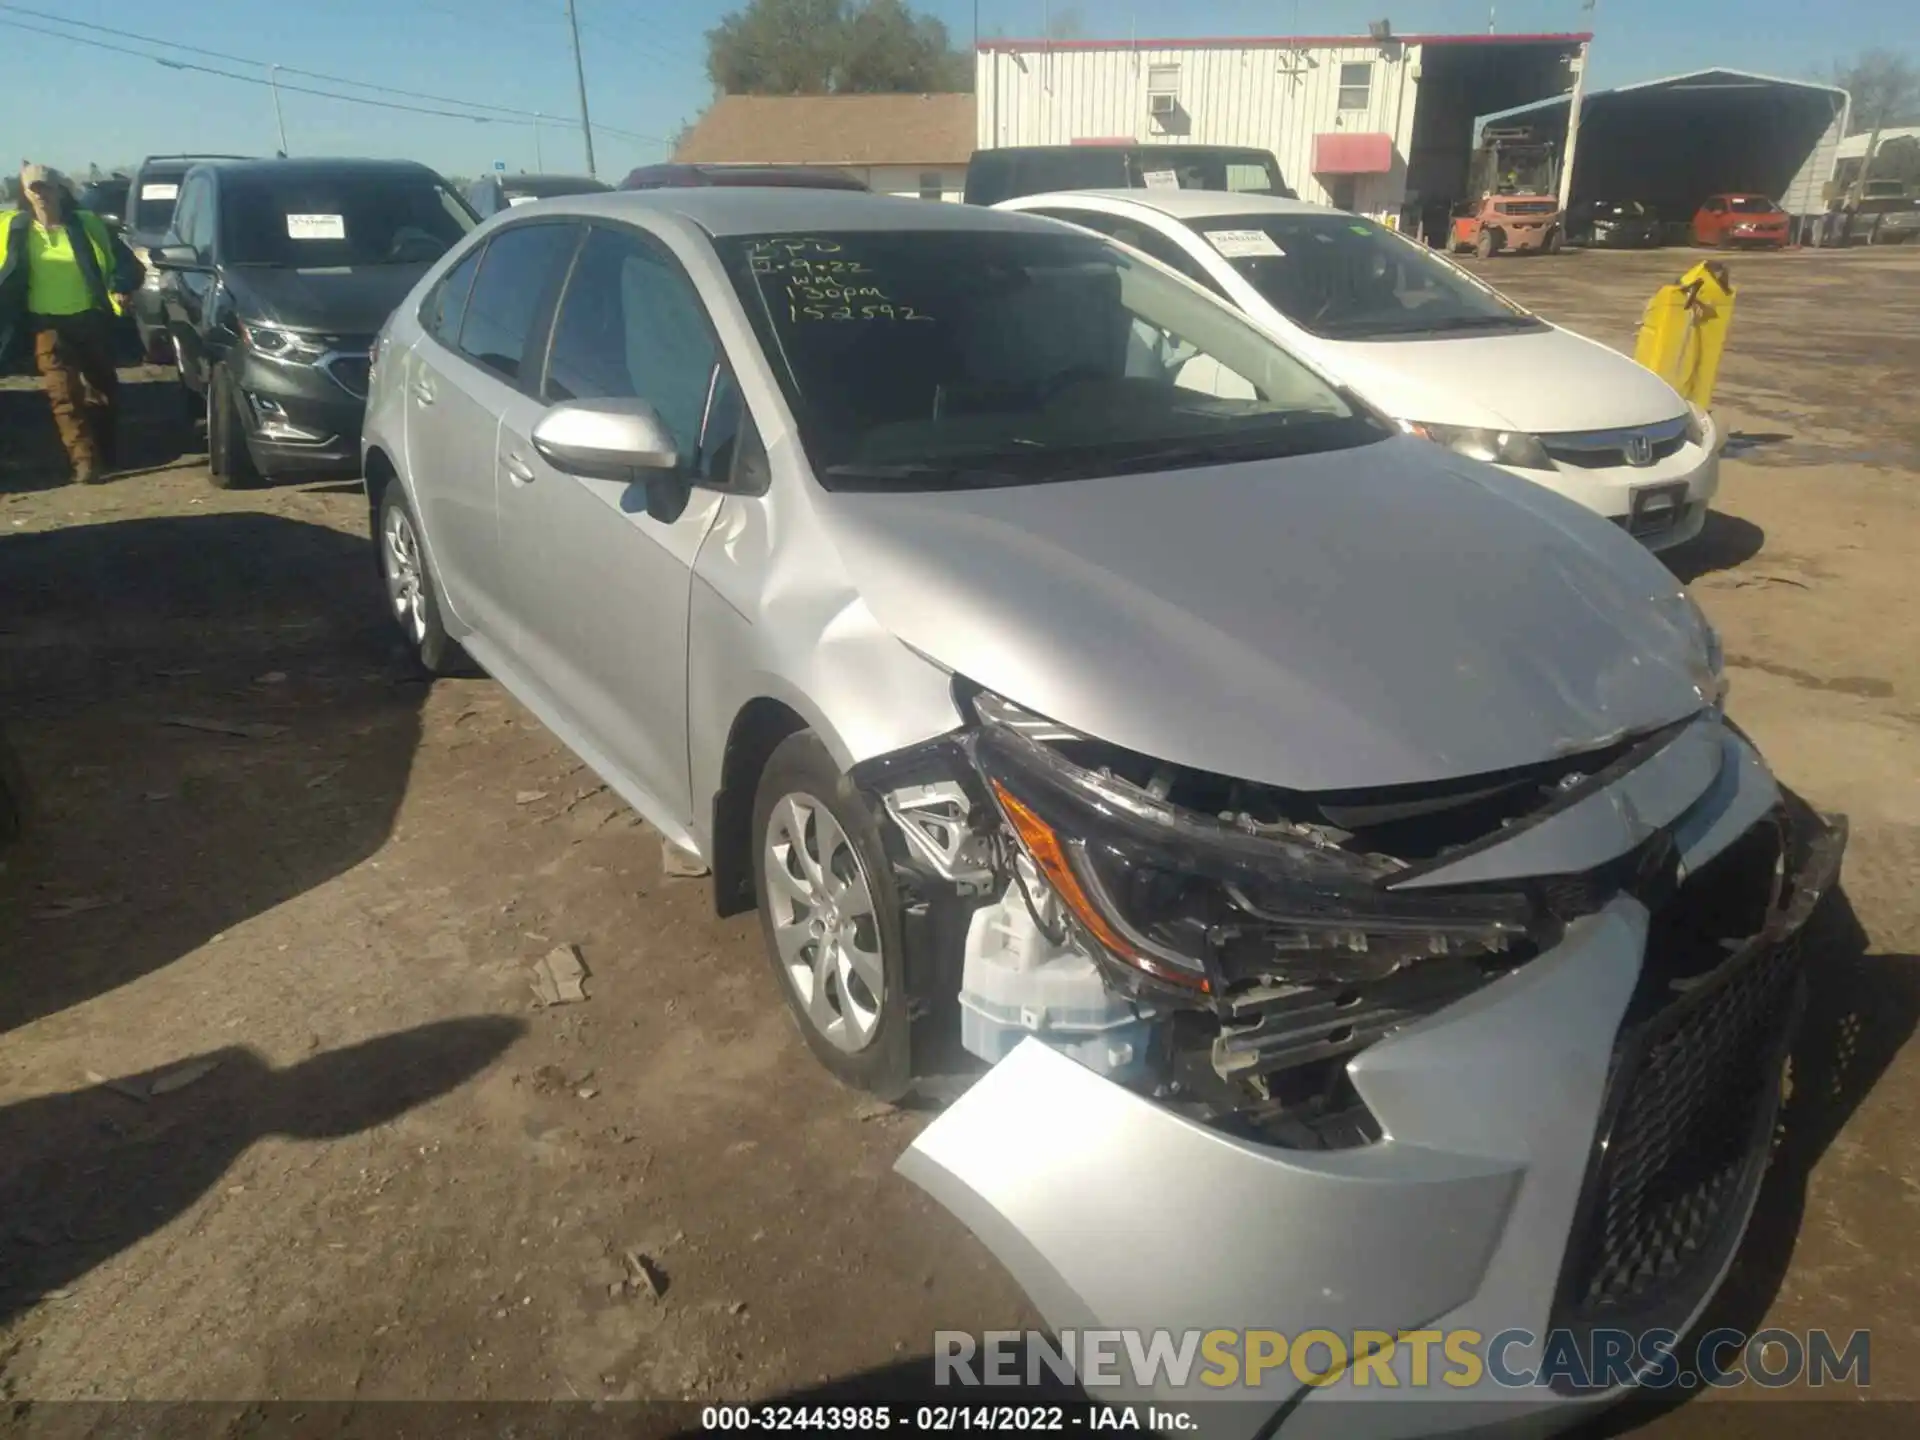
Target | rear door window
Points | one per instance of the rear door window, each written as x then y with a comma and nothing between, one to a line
446,304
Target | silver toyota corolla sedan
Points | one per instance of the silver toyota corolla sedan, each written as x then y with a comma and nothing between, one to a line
1332,849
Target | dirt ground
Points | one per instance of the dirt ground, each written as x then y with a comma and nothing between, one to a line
399,1180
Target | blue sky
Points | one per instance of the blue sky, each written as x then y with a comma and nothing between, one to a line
71,104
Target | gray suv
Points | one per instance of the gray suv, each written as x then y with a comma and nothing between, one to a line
1331,849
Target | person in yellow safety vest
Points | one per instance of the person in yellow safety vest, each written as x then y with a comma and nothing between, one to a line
64,279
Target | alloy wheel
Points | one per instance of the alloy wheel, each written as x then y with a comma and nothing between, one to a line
824,922
406,584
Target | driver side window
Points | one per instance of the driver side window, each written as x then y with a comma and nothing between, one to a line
632,326
190,218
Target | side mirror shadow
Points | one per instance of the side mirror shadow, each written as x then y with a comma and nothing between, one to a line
616,440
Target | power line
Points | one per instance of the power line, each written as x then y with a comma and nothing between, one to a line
517,117
256,80
284,69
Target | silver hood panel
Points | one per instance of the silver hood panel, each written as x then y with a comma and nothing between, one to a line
1384,615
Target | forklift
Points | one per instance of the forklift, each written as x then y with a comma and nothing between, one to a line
1513,196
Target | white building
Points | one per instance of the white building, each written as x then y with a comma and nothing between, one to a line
1381,125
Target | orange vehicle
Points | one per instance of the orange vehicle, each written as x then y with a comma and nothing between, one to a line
1512,207
1740,220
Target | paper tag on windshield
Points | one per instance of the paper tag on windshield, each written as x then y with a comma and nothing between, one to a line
521,199
159,192
1243,244
316,227
1160,180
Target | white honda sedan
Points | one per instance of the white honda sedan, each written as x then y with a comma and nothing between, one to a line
1453,359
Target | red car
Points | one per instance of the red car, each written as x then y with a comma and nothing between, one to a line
1740,220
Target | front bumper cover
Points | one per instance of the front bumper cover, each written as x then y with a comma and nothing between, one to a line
1114,1212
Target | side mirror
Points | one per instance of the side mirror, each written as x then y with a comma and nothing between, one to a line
616,440
174,257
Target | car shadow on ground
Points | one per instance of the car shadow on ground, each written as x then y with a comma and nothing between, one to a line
157,430
91,1172
212,715
1724,543
1861,1010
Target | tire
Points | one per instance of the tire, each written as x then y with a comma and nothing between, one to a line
229,461
1486,243
1554,242
863,1038
412,602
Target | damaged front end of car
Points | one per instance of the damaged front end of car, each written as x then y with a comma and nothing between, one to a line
1338,1030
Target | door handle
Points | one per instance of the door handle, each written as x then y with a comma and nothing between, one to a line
422,393
519,470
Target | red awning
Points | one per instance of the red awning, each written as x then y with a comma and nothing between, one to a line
1340,153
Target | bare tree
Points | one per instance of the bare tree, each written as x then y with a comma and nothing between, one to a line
1885,89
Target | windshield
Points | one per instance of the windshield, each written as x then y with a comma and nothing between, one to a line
331,221
1751,205
1348,279
938,359
151,202
1618,209
1247,172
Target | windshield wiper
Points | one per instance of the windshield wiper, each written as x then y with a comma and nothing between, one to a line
917,476
1370,329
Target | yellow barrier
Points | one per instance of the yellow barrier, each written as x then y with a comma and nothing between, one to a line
1684,330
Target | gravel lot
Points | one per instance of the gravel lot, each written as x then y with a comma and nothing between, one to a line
399,1181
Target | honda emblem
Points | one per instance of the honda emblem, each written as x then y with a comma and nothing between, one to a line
1639,450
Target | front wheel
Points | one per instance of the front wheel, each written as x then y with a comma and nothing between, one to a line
229,461
830,919
410,595
1554,243
1485,244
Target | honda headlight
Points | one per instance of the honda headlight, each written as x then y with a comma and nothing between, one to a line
1496,447
1195,901
1697,424
279,343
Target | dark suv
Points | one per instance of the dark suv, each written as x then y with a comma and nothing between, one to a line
1010,171
279,273
676,176
144,219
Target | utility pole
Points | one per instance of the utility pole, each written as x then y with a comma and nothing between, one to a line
1573,127
539,160
273,83
580,75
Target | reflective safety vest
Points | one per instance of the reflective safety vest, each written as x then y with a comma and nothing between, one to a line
81,224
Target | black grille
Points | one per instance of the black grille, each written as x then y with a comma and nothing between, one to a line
1608,457
1691,1101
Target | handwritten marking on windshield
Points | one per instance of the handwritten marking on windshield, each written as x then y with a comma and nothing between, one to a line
821,283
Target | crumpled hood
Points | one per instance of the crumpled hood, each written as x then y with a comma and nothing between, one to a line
1543,382
350,301
1382,615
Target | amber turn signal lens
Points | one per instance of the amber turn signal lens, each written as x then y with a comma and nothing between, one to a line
1050,857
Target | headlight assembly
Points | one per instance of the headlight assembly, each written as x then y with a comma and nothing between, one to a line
1195,902
278,343
1697,424
1496,447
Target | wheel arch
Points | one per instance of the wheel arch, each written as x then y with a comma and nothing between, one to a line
756,732
377,472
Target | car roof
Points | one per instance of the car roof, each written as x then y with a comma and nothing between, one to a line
1182,204
318,168
744,210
